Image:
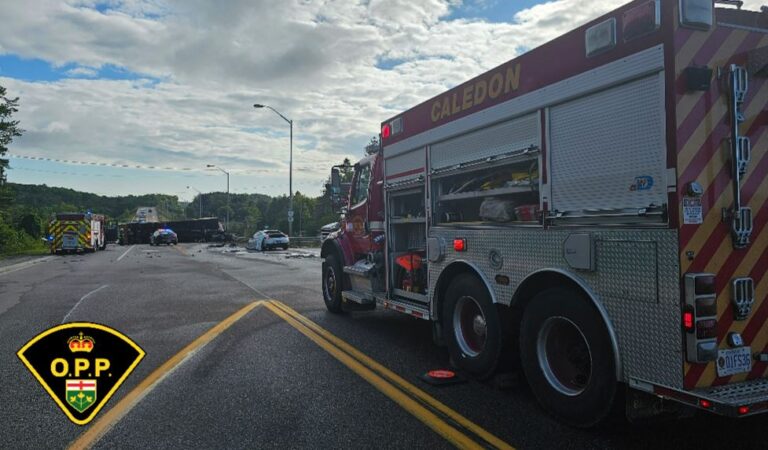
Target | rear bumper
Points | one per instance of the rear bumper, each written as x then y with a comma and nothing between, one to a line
743,399
737,399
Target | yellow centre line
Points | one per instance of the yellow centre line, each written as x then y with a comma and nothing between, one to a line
417,402
127,403
375,373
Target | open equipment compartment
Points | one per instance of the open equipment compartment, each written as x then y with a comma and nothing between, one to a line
407,244
501,190
488,176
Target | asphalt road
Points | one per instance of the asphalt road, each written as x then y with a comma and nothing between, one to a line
283,375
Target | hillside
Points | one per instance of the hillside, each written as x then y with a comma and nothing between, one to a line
247,212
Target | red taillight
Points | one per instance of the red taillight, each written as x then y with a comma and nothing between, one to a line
705,403
700,315
386,131
743,410
688,323
460,245
705,285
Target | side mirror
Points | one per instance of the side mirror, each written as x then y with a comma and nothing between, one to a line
335,188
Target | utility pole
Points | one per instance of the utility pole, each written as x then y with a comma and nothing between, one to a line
290,166
200,201
213,166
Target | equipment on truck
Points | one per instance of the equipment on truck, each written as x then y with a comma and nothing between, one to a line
77,232
592,211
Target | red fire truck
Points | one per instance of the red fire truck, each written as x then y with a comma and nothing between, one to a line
593,211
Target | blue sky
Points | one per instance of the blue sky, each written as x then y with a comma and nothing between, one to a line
171,83
33,69
492,10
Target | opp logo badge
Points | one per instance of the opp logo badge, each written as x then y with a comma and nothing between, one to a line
81,365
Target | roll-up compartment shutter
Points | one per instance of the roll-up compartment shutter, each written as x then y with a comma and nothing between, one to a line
608,151
406,165
516,134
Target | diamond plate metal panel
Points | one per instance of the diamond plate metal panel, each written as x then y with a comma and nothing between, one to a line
607,150
636,281
516,134
617,278
737,394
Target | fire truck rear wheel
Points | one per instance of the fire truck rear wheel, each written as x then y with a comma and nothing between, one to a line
474,331
332,279
567,357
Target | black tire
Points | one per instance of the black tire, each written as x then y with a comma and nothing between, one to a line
332,288
568,359
474,332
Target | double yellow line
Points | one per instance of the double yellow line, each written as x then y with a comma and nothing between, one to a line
446,422
443,420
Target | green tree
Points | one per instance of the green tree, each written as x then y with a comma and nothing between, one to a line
252,220
9,128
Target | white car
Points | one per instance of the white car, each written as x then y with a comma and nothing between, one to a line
327,229
268,240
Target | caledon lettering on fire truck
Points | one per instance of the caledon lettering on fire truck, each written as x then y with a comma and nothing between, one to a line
592,213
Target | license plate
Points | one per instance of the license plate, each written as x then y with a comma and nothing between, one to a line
734,360
69,241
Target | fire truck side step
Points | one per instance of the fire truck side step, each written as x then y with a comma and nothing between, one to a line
415,309
357,297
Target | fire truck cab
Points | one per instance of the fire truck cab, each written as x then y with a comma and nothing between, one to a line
592,212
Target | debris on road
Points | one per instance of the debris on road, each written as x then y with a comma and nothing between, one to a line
300,255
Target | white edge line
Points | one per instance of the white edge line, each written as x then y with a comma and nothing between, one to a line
81,299
125,253
24,265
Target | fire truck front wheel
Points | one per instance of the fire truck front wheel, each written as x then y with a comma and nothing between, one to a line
332,283
475,336
567,357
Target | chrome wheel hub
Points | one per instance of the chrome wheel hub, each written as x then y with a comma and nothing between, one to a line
564,356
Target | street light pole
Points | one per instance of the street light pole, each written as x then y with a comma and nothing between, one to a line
290,166
200,201
213,166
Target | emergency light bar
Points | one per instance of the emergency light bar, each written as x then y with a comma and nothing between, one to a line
698,14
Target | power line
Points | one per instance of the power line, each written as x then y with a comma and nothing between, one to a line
137,166
103,164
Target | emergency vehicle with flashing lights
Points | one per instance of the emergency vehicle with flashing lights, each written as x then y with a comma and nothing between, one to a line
592,212
77,232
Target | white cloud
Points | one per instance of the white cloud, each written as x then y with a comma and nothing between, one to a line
88,72
207,62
